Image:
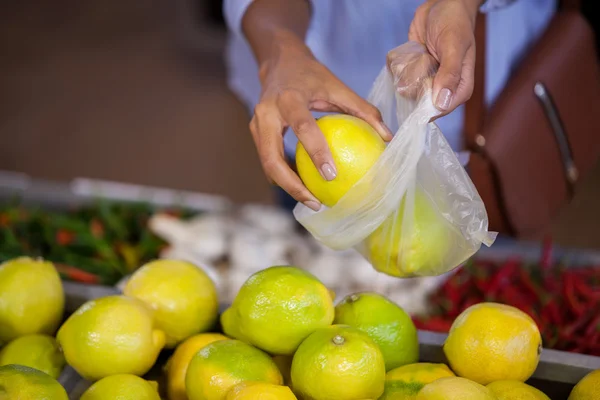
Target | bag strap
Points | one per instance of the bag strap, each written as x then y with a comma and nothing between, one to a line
475,108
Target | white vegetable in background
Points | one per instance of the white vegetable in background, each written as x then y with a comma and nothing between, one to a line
271,220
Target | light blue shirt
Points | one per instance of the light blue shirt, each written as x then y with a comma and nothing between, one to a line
352,38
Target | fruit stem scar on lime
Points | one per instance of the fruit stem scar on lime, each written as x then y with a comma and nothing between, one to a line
338,339
353,297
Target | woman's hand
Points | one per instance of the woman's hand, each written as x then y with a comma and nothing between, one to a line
445,28
294,83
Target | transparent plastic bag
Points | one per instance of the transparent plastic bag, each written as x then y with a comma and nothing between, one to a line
416,212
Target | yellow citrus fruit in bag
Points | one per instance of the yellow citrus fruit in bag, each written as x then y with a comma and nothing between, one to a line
455,388
122,387
422,250
178,363
24,383
355,146
277,308
515,390
183,297
338,362
385,322
221,365
490,342
260,391
35,351
588,388
111,335
32,299
404,383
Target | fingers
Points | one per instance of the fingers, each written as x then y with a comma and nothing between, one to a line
353,104
294,111
453,83
267,128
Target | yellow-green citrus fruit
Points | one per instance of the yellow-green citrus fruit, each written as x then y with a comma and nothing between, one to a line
109,336
122,387
37,351
588,388
385,322
415,247
277,308
32,299
221,365
355,146
515,390
490,342
338,363
183,297
260,391
180,360
404,383
18,382
455,388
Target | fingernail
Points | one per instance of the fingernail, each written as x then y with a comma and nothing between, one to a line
386,130
444,98
328,172
313,205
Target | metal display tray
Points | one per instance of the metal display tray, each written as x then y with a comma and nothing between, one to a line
556,374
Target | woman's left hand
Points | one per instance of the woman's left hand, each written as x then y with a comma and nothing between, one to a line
445,28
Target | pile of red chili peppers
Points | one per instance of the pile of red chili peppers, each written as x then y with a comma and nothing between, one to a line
564,302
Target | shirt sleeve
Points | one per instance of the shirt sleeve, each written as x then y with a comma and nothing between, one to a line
233,11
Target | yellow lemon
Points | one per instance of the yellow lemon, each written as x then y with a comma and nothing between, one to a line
260,391
588,388
111,335
31,298
455,388
178,363
38,351
355,146
385,322
515,390
277,308
221,365
338,363
404,383
24,383
121,387
416,246
491,342
183,297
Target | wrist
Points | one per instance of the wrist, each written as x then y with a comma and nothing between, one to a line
283,44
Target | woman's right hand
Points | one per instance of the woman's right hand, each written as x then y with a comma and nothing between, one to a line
293,84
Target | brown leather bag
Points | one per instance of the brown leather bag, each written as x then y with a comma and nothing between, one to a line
542,135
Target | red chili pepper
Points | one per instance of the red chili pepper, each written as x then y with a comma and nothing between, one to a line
570,331
96,228
582,287
501,277
547,248
594,326
571,297
64,237
437,324
77,274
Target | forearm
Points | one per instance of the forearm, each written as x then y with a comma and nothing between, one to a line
270,24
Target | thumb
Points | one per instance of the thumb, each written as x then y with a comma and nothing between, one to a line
453,83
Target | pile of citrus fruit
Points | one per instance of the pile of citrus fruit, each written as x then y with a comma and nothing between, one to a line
282,338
